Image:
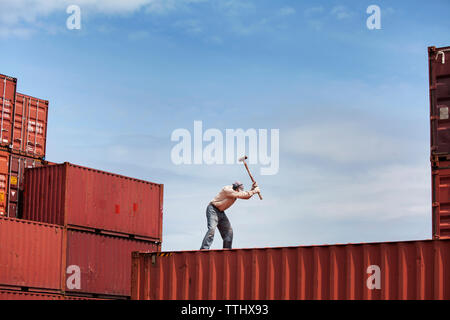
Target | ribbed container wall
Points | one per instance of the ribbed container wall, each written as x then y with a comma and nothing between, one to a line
104,262
17,166
12,168
31,254
392,270
4,181
30,126
439,78
76,196
7,99
440,178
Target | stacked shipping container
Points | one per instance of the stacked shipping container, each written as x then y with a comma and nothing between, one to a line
22,141
439,76
105,218
83,198
83,224
47,258
369,271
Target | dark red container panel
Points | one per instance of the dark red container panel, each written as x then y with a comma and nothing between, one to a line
372,271
4,180
7,98
12,169
440,192
439,70
30,126
79,197
104,262
30,254
17,166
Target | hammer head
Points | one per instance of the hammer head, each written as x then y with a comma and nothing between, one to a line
243,158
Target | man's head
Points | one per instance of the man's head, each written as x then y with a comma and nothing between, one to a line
237,186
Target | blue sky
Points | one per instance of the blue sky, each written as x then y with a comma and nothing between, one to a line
351,105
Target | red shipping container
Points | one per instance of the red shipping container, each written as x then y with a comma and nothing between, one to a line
371,271
7,98
101,264
30,126
79,197
31,255
12,169
439,77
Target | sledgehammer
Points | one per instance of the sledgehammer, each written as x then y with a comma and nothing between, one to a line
246,167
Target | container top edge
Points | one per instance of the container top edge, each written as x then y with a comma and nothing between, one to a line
8,77
96,170
31,222
32,97
293,247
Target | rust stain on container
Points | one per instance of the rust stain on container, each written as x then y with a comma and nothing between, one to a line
439,78
30,126
104,262
372,271
30,255
75,196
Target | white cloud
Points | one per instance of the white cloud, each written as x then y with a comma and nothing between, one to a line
341,12
15,13
286,11
24,33
313,11
342,142
138,35
190,26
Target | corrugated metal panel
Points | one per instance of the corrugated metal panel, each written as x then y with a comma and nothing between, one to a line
4,170
21,295
7,99
30,126
104,262
76,196
11,181
31,254
392,270
17,166
439,75
440,177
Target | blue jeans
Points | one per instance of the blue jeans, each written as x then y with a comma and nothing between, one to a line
216,218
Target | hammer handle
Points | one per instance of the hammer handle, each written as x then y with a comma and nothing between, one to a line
251,177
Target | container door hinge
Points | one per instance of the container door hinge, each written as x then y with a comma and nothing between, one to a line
435,204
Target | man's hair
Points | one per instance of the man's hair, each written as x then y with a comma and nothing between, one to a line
237,185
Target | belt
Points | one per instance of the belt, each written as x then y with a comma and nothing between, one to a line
215,207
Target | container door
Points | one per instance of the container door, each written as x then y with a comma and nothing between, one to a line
30,126
439,64
7,100
4,161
